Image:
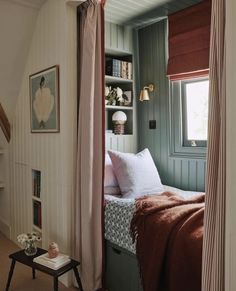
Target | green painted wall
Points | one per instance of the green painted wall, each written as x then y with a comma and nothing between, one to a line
183,173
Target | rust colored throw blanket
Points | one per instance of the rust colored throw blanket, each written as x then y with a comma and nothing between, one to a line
168,231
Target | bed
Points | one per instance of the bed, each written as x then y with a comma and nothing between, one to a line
165,223
122,271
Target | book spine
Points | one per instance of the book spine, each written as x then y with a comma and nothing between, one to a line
40,215
113,67
118,68
124,70
109,67
130,75
35,214
38,183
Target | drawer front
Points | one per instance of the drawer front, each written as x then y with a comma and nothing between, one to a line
122,272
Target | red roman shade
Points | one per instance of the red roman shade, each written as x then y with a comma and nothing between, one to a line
189,42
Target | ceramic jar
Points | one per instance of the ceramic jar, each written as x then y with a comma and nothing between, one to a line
53,250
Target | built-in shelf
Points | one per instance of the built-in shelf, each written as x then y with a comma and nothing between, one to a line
1,151
117,52
2,186
117,80
120,63
36,200
114,107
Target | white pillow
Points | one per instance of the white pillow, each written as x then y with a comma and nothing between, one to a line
110,182
137,174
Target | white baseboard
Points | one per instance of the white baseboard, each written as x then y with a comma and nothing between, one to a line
5,228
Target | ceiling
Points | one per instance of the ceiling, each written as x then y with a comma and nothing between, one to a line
138,12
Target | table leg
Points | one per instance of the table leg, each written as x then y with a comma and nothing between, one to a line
33,273
55,283
78,278
13,262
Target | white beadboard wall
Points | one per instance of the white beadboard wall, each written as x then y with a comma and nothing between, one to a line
53,43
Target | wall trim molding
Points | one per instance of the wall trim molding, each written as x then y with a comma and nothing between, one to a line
74,3
5,228
28,3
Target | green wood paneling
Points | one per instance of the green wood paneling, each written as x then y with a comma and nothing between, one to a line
118,37
184,173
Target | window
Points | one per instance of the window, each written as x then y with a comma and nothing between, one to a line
189,118
195,112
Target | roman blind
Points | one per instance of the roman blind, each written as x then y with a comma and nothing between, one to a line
189,42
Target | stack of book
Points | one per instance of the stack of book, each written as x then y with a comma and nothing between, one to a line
117,68
55,263
37,213
36,183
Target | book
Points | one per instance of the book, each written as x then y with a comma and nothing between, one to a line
124,70
56,263
36,178
37,216
56,260
129,71
113,67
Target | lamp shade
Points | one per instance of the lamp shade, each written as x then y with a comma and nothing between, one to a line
119,116
144,95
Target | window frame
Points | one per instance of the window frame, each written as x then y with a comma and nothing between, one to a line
187,142
177,149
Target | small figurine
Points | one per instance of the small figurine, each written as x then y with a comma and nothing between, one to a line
53,250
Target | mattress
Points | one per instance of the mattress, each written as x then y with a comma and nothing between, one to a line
118,216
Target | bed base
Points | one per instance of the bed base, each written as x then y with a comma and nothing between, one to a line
121,271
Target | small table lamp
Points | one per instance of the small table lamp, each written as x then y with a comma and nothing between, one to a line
119,119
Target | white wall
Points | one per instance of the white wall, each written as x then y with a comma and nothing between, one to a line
53,43
231,147
16,28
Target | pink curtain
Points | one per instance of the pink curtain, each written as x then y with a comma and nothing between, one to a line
214,221
89,177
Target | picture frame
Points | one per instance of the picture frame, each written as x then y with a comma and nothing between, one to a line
44,101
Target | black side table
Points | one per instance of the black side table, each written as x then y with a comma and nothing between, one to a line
21,257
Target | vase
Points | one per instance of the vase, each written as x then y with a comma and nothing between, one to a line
30,249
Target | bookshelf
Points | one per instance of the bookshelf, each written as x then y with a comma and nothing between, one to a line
119,73
36,201
118,80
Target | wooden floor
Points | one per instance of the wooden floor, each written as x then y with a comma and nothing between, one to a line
22,280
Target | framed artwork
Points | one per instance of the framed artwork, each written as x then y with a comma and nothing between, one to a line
44,100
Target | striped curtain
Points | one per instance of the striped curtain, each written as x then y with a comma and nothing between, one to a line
88,204
213,272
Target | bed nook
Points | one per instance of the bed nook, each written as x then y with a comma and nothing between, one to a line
154,182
